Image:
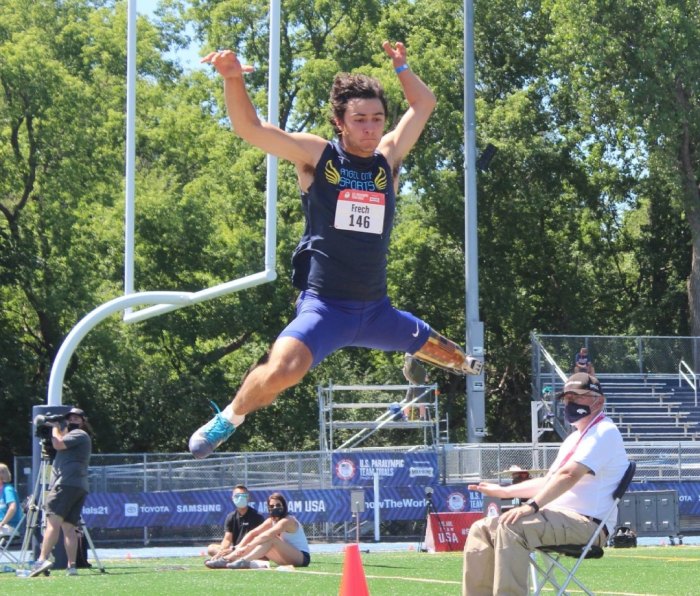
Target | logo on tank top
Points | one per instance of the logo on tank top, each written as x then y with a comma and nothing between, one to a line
352,179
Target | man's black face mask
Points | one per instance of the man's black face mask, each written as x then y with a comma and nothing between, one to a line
574,412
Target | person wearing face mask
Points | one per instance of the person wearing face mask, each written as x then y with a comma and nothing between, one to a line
68,488
280,539
238,523
563,507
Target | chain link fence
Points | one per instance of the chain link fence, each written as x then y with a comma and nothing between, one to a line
651,355
459,464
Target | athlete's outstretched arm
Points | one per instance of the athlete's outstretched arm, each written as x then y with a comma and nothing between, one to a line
396,144
302,149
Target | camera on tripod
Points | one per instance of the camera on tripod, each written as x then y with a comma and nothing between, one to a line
43,424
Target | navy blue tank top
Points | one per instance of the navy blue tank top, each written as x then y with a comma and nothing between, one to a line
349,211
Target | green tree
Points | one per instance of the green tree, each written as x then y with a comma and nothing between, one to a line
56,149
632,75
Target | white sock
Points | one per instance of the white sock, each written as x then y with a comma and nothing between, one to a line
236,419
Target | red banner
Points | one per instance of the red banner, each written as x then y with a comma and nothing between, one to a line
448,531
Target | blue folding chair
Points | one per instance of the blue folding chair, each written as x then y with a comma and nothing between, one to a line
546,572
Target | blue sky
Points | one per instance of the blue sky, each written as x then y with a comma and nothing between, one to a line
189,58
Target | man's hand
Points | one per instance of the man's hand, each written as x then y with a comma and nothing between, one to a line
227,64
397,53
490,489
223,553
513,515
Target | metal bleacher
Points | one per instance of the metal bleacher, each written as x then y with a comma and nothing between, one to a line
648,409
650,389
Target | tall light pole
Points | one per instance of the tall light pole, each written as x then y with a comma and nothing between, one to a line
476,402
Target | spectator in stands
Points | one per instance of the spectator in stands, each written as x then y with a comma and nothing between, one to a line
10,511
563,507
238,523
583,362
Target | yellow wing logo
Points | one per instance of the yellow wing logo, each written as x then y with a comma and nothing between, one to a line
332,175
380,179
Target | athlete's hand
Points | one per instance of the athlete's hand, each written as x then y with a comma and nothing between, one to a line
227,64
397,53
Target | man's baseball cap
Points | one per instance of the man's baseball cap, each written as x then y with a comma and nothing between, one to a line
77,412
581,383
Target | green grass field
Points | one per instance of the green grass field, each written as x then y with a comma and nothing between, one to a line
671,571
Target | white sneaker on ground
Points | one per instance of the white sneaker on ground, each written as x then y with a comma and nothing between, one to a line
216,563
259,564
40,567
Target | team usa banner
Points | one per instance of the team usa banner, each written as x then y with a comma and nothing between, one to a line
204,507
404,481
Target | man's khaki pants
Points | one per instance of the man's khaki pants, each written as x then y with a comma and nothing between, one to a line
497,556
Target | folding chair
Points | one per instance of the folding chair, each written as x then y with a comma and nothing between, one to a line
546,571
6,543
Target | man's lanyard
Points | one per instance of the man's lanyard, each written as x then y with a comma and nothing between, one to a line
583,433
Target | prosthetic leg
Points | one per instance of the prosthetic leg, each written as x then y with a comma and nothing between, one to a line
443,353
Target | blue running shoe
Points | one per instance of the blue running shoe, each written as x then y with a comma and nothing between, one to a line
208,437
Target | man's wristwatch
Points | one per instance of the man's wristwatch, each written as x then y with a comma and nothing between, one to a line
532,503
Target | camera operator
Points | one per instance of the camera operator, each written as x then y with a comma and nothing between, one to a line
68,486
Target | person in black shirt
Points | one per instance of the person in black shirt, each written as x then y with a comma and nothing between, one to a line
238,523
68,489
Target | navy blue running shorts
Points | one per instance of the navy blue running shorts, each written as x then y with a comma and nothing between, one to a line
325,325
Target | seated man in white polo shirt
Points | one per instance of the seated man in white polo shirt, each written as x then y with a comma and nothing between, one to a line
563,507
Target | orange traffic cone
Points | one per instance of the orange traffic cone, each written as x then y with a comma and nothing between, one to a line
353,582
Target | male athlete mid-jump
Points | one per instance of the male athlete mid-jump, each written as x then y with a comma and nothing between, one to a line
348,193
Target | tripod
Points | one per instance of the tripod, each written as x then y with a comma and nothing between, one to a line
33,522
430,508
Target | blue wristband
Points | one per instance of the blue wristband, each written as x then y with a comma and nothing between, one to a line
400,69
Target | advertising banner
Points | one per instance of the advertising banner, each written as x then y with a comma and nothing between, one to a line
447,532
393,468
206,507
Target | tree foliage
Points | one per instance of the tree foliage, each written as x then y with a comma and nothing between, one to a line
588,216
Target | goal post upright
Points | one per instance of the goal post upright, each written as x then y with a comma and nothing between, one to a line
159,302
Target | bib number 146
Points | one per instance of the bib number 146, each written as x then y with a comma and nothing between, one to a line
360,211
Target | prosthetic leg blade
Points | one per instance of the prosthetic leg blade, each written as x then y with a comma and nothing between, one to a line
444,353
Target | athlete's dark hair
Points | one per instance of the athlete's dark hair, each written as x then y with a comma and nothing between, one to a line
348,86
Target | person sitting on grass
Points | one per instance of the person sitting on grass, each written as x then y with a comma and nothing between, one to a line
280,539
238,523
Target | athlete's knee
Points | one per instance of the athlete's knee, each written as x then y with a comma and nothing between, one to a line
286,368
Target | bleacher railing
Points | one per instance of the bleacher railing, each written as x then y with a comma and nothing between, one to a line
690,378
650,355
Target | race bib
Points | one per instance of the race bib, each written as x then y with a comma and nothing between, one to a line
360,211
